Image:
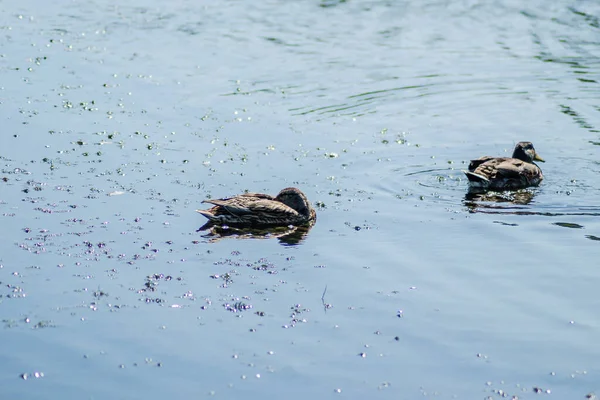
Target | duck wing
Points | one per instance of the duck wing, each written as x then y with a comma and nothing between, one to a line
514,168
474,164
485,162
272,208
238,205
487,166
252,203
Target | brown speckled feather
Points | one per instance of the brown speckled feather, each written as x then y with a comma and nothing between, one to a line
248,205
258,209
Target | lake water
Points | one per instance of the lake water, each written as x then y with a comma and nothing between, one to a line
118,119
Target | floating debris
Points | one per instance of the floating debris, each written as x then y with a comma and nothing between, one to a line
28,375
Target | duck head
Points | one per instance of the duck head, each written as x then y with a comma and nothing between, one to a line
526,152
297,200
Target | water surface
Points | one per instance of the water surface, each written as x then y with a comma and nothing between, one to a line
119,119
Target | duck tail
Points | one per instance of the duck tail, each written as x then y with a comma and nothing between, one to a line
477,180
207,213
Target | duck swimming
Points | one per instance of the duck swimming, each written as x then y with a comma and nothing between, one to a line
506,173
289,207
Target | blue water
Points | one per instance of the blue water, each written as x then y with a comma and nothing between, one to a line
119,119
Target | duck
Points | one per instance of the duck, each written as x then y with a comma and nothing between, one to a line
253,210
506,173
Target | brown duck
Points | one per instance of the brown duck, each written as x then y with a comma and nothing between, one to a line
506,173
289,207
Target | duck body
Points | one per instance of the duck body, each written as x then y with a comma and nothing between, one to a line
289,207
506,173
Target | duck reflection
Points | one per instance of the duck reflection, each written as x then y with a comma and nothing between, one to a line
287,235
497,202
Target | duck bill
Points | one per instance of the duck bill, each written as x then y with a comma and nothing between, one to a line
537,157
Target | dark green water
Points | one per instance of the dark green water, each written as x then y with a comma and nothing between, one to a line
117,120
